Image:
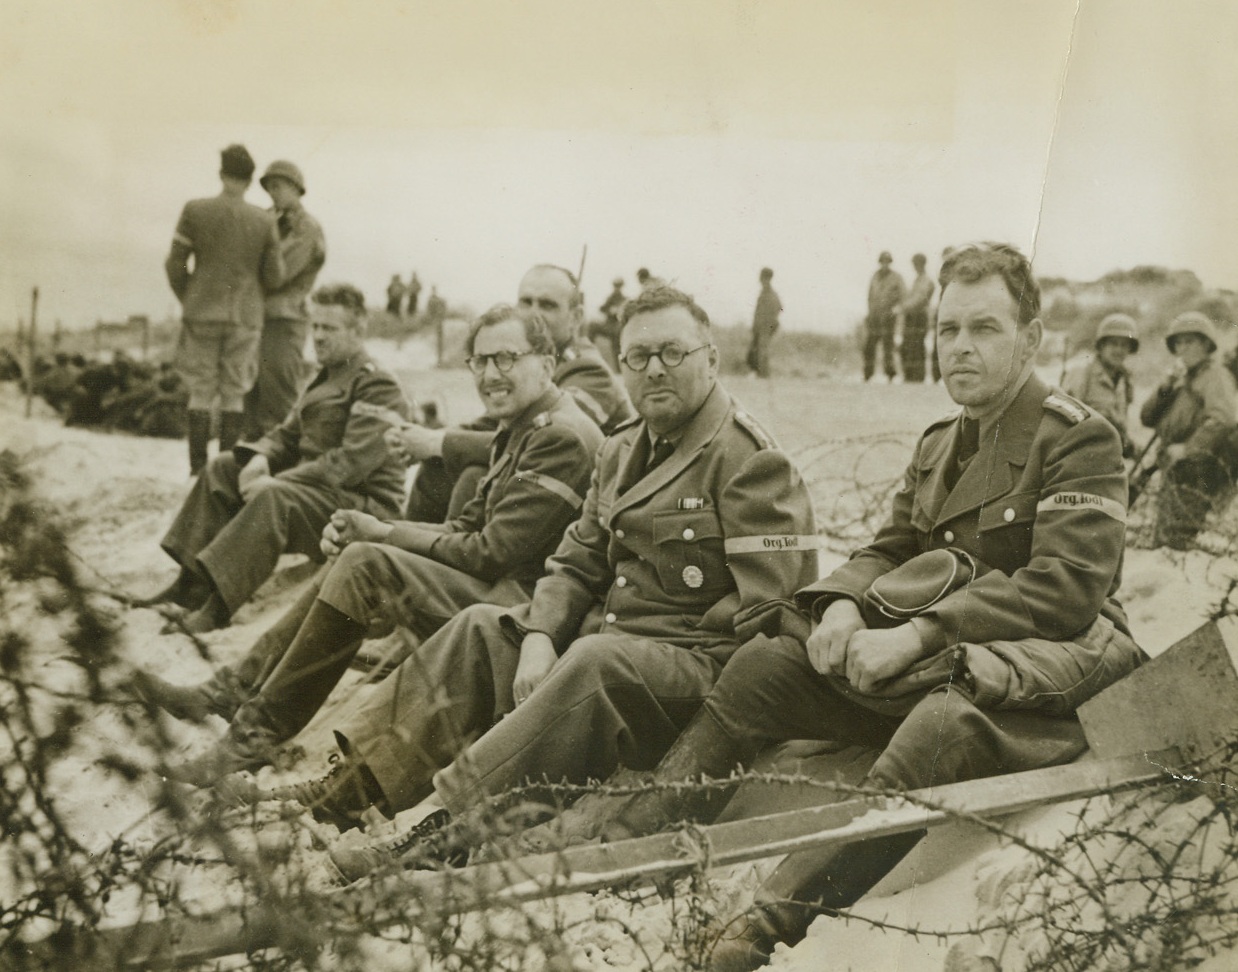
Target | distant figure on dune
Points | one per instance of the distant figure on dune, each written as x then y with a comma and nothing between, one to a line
648,281
914,311
1193,411
395,295
1103,381
764,325
885,292
414,292
281,363
235,250
606,334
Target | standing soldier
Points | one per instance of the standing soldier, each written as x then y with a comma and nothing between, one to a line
1104,381
395,295
764,324
915,313
885,292
236,259
606,334
414,292
286,323
1193,412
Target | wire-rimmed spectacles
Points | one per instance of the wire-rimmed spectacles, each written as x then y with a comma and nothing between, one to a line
671,356
505,361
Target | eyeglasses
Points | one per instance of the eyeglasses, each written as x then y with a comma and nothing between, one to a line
505,361
671,356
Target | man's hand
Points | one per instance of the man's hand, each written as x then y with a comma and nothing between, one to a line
351,526
827,645
537,657
874,656
254,477
414,443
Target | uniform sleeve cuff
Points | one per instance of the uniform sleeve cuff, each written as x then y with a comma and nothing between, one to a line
932,635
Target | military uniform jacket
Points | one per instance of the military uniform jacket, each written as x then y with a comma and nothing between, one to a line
583,374
334,435
692,553
885,293
304,249
1043,504
540,467
237,259
1093,385
765,316
1200,415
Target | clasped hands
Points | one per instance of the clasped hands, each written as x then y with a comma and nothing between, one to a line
842,644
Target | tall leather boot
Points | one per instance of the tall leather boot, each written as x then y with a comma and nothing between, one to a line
199,437
703,749
230,424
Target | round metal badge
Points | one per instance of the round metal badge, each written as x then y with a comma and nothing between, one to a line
692,576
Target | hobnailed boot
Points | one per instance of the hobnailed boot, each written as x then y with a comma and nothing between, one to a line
190,591
230,425
426,845
199,439
339,798
211,616
703,749
234,753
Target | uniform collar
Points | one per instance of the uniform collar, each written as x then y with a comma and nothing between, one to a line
544,403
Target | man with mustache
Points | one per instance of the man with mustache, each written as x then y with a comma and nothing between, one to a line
958,644
454,459
417,575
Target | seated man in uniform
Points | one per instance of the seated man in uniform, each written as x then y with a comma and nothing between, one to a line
961,640
274,496
453,459
696,527
418,575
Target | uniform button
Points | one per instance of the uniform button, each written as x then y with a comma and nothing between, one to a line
619,534
601,521
688,533
1008,515
610,618
949,535
621,581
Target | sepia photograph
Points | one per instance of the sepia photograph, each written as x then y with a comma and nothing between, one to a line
539,485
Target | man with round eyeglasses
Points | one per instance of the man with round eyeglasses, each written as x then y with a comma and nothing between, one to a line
416,575
695,531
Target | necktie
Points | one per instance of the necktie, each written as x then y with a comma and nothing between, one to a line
662,450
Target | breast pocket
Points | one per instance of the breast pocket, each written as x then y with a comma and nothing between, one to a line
1005,528
690,555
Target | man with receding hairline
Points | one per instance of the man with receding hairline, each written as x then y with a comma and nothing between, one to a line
453,460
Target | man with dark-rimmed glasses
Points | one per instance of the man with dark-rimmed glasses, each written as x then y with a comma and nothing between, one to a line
696,529
417,575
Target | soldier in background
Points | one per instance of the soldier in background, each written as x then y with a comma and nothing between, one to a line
764,325
236,258
1193,412
414,292
281,364
885,292
395,295
1103,381
914,311
606,334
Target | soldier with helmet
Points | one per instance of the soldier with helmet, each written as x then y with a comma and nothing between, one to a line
1194,413
285,318
1103,381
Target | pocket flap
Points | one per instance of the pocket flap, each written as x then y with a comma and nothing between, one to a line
1008,510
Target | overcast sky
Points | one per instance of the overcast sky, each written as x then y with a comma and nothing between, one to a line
701,138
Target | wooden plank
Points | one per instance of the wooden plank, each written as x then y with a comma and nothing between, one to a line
178,942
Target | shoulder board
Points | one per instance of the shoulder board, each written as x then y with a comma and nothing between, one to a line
754,429
569,354
944,420
1061,404
541,420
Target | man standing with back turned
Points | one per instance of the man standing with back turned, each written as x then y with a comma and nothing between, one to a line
961,640
885,292
236,259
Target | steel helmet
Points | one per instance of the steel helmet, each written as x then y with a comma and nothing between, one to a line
285,170
1118,326
1192,322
